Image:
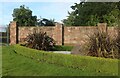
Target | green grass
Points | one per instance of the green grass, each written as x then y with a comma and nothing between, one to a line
21,61
17,65
0,61
3,44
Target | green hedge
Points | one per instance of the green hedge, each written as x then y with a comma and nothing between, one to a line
90,64
62,48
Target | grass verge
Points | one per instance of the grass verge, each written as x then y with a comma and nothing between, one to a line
18,65
22,61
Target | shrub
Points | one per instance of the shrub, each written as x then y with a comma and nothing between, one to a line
84,63
101,45
118,41
40,41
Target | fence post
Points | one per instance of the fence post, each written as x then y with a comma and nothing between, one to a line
13,33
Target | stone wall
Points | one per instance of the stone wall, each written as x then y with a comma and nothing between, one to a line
53,31
77,35
24,31
71,35
13,33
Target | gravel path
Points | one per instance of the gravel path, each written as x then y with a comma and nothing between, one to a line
62,52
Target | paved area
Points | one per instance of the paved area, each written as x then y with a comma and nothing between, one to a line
62,52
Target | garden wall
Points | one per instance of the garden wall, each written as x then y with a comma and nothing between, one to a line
70,35
77,35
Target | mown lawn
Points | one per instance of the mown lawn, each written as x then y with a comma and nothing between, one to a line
0,61
15,64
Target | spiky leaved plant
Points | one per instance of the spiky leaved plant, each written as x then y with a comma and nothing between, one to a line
40,41
101,45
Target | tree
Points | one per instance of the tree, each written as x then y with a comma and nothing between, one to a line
70,20
46,22
91,13
23,16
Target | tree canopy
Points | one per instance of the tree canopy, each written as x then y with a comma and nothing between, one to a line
45,22
91,13
23,16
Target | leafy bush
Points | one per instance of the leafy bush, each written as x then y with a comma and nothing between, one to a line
40,41
101,45
84,63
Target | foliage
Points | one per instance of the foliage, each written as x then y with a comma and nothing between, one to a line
118,41
70,20
13,62
45,22
83,63
40,41
91,13
23,16
101,45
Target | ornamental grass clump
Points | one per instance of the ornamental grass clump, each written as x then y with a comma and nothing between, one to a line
102,45
40,41
118,41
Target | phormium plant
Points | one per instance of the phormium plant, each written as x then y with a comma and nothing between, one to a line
101,45
118,41
40,41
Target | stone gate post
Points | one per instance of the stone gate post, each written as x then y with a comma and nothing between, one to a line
13,33
59,34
